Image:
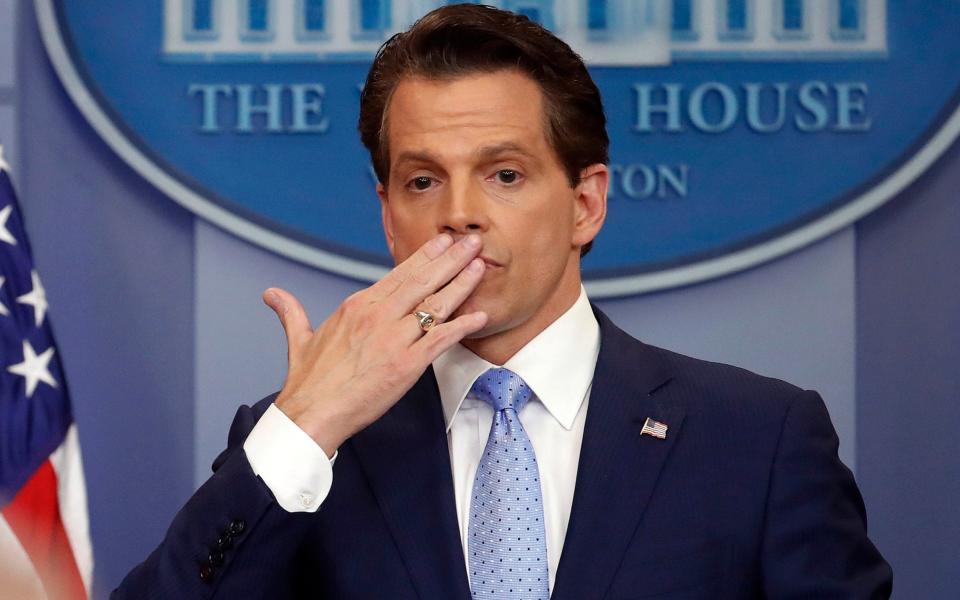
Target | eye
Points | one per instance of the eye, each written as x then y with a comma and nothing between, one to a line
420,184
508,176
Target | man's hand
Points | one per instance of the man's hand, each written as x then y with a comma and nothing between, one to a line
371,350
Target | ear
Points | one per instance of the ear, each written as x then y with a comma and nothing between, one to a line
591,203
385,217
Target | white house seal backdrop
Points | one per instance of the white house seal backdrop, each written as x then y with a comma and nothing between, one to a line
740,129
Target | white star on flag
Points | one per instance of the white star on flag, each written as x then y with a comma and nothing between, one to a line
3,309
34,368
37,297
4,165
5,234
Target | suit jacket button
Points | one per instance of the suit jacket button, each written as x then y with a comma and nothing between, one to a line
224,541
236,527
206,572
215,559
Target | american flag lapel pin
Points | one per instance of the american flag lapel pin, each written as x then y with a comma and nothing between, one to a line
654,428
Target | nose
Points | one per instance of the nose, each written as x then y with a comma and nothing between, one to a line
464,211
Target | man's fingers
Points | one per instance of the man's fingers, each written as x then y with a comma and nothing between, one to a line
423,256
445,301
441,337
429,278
293,317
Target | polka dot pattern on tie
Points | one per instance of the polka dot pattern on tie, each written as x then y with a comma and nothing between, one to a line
507,546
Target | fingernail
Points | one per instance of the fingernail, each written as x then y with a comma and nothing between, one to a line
472,241
443,242
476,265
276,302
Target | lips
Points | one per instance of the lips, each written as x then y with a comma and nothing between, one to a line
489,262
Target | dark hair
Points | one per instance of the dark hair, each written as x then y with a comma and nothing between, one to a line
461,39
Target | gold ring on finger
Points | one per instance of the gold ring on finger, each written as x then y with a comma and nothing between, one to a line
425,319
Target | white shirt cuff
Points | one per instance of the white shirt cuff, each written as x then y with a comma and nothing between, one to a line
294,467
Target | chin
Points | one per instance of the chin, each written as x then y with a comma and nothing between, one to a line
479,335
492,328
493,308
478,300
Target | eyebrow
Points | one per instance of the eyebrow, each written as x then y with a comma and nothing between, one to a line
503,148
421,156
484,153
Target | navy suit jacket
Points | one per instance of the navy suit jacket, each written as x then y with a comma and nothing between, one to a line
745,498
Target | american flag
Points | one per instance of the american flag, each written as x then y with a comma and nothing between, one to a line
45,547
654,428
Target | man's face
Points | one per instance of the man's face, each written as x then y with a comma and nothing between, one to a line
470,155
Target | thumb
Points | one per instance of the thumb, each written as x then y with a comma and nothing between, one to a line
293,317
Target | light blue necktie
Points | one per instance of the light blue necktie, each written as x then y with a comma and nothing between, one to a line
507,541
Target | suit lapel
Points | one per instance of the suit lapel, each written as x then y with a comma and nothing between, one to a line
618,467
407,462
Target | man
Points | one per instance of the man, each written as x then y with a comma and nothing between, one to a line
492,434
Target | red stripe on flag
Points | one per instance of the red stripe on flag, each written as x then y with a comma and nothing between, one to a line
34,517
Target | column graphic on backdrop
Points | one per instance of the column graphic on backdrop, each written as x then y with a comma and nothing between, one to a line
740,129
609,32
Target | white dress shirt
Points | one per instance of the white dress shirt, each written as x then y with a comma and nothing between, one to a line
558,367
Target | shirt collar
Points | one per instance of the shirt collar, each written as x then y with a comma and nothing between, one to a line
557,364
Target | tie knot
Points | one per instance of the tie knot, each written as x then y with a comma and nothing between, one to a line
502,388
